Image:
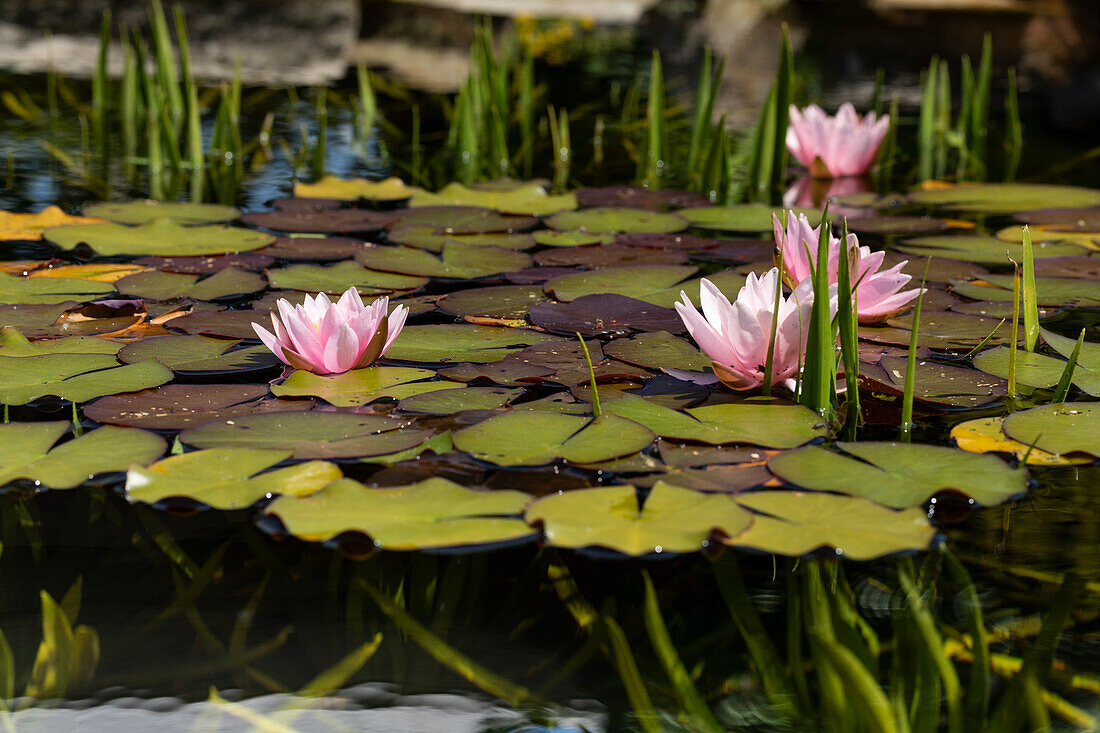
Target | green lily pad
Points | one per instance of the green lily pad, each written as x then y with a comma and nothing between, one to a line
50,290
308,434
361,386
981,249
142,211
770,426
1084,236
795,523
1032,369
1005,198
450,401
155,285
165,237
572,238
658,350
945,330
941,384
1069,427
25,453
1089,357
456,261
75,377
671,519
431,514
13,343
537,438
227,478
198,354
742,217
526,200
614,219
504,301
900,475
335,279
450,220
1051,291
656,284
447,343
431,239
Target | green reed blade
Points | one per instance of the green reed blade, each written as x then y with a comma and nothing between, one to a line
769,360
981,344
129,113
1014,129
818,625
926,130
860,685
888,153
525,107
656,158
876,97
783,85
943,117
563,151
465,135
933,647
763,145
848,317
317,164
416,165
1064,382
700,125
155,165
335,677
631,678
1014,340
962,122
682,685
7,673
591,378
368,104
498,142
101,90
167,74
977,690
488,681
715,181
819,372
906,427
238,637
195,152
1030,295
979,120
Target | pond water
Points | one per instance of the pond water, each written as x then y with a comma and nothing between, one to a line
492,577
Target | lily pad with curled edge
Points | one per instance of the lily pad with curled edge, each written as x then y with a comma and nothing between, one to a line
165,237
13,343
671,519
796,523
612,220
227,478
742,217
592,315
335,279
936,383
656,284
431,239
986,435
1068,427
1004,198
459,342
309,434
658,350
199,354
538,438
1036,370
981,249
899,475
360,386
770,426
155,285
143,211
25,453
527,200
50,290
335,221
179,406
572,238
1087,237
355,189
504,301
609,255
450,401
75,377
456,261
432,514
1051,291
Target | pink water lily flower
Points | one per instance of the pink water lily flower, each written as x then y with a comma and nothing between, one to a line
736,335
878,294
833,147
323,337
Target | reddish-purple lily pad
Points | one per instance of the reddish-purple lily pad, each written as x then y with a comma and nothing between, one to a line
180,406
941,384
505,301
894,224
609,255
307,205
536,275
314,248
337,221
603,314
461,220
208,264
431,239
637,197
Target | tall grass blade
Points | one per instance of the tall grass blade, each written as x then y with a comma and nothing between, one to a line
1014,129
977,690
943,117
1030,295
818,390
1064,382
876,96
317,163
926,130
195,153
631,678
783,87
1014,340
933,648
848,321
525,108
129,113
716,172
656,148
906,427
962,122
368,104
563,151
979,120
167,74
700,125
888,153
591,378
101,92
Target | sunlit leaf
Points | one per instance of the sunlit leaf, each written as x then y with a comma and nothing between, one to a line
361,386
355,189
613,219
14,227
166,237
76,377
530,200
1068,427
449,343
535,438
986,435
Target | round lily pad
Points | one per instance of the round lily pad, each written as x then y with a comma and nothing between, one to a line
199,354
25,453
360,386
505,301
456,261
1087,237
1072,217
942,384
431,514
611,220
795,523
659,350
75,377
1004,198
234,324
536,438
335,279
143,211
527,200
981,249
13,343
1072,427
742,217
166,237
671,519
1032,369
49,290
227,478
355,189
449,343
179,406
314,248
592,315
895,224
450,401
308,434
900,475
155,285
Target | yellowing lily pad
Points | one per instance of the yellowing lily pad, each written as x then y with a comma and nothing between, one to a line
355,189
166,237
143,211
671,519
431,514
986,435
525,200
12,343
796,523
14,227
982,249
25,453
536,438
227,478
